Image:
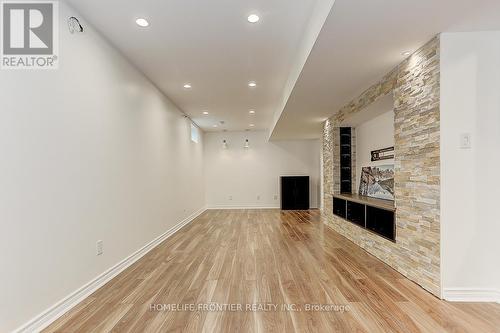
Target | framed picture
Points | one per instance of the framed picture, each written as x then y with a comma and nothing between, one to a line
377,182
383,154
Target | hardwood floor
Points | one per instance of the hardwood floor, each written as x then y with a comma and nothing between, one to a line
274,258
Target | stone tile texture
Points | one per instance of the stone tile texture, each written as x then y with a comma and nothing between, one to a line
416,89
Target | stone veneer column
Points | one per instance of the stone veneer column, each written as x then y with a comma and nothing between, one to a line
415,86
329,133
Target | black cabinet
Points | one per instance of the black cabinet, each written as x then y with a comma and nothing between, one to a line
339,207
381,222
295,192
356,213
375,215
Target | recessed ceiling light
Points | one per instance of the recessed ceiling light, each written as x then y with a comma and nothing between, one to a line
252,125
214,126
252,84
142,22
253,18
251,111
205,113
187,86
406,53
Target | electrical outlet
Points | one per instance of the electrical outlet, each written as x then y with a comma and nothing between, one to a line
275,197
465,141
230,197
99,247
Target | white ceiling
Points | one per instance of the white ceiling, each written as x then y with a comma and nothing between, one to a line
210,45
361,41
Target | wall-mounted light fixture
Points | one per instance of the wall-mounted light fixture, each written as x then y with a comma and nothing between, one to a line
247,144
224,144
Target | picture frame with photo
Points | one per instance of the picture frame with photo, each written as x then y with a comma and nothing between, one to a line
377,182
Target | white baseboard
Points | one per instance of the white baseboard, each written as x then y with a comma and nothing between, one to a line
48,316
471,295
246,207
243,207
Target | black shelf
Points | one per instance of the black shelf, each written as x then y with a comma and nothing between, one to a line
339,207
374,215
381,222
356,213
345,160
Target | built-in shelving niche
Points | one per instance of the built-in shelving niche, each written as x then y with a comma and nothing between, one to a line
345,160
375,215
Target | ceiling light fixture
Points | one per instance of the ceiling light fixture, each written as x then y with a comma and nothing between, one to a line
252,125
214,126
252,84
205,113
251,111
187,86
253,18
142,22
406,53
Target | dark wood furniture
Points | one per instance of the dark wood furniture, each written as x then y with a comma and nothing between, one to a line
345,160
295,192
375,215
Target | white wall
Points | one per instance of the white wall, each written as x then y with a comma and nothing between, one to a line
245,174
470,182
89,152
377,133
